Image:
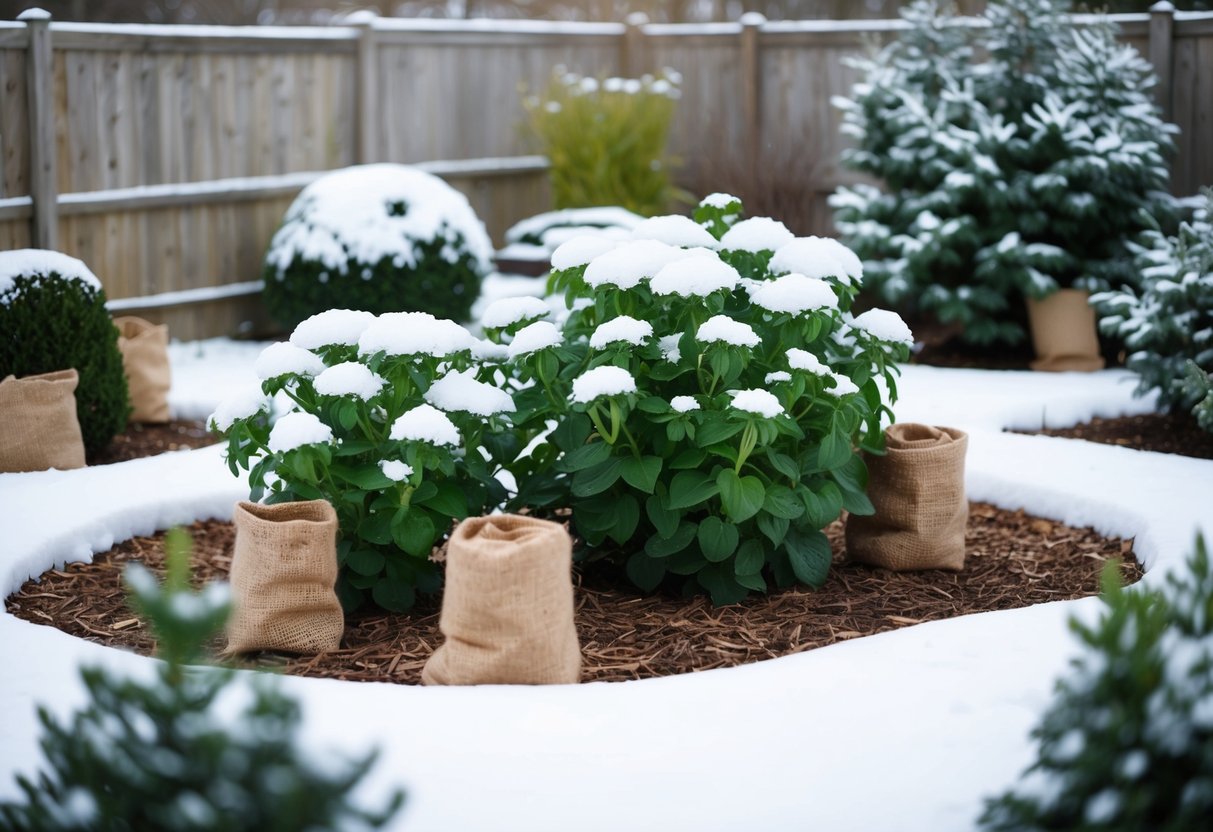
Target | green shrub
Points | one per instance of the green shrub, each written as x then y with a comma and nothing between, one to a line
52,317
381,238
367,432
1028,170
1128,742
707,406
158,753
1167,325
606,139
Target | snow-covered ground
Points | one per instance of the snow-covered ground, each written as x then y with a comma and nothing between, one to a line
905,730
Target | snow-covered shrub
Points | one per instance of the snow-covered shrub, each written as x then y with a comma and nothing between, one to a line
168,751
53,317
708,393
1015,175
1128,741
388,415
1167,324
606,139
381,238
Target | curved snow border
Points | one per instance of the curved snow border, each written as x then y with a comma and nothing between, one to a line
905,730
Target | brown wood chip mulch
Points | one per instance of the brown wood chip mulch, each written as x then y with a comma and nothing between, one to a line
1013,560
1174,433
138,441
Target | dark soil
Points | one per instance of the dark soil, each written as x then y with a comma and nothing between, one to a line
1175,433
149,440
1013,560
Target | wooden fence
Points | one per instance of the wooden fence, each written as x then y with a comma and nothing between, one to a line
165,156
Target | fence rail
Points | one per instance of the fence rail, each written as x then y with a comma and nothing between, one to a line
165,156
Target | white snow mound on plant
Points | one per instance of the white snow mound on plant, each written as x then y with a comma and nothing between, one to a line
719,200
349,214
414,333
778,375
554,238
485,350
843,386
670,350
684,404
294,430
602,381
700,274
505,312
756,234
799,359
284,358
624,329
333,326
425,423
31,262
759,402
461,392
819,257
674,230
395,470
580,250
349,378
793,294
724,329
884,325
629,263
534,337
240,404
601,217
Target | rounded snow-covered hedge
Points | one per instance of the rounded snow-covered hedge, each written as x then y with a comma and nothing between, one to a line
379,238
53,317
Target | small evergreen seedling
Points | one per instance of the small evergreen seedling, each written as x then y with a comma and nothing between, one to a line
1128,741
156,754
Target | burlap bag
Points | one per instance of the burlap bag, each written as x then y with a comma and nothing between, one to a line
507,611
144,348
39,428
1063,333
284,569
919,494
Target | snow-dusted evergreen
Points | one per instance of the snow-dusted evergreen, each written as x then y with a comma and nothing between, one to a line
1027,172
379,238
1167,324
1128,741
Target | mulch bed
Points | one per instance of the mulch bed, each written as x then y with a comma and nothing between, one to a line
1013,560
1167,433
138,441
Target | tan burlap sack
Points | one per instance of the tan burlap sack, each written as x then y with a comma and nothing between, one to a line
39,428
144,348
284,569
507,611
919,493
1064,333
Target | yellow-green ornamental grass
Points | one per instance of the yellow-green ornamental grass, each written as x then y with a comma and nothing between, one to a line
606,139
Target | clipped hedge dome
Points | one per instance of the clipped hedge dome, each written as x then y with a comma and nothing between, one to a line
53,317
381,238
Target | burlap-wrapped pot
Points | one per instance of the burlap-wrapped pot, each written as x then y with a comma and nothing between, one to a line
144,348
284,569
1063,333
507,610
39,428
918,491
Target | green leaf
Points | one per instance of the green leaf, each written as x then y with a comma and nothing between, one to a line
810,555
572,432
835,450
347,414
720,583
717,430
587,456
717,539
653,404
394,596
750,558
664,519
857,503
627,517
376,528
414,531
659,547
365,561
599,478
641,473
689,488
742,497
755,582
448,500
366,477
644,571
822,503
785,465
773,527
690,458
781,501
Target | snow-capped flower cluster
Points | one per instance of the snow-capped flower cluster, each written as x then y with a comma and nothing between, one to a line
506,312
602,381
284,358
414,334
684,404
540,335
794,294
461,392
884,325
244,404
622,330
333,326
297,429
395,470
728,331
425,423
349,379
758,401
698,274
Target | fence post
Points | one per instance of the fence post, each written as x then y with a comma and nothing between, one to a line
632,61
1162,31
43,185
367,113
751,84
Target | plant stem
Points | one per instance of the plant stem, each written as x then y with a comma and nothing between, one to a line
749,438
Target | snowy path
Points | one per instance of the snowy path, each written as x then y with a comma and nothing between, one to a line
904,730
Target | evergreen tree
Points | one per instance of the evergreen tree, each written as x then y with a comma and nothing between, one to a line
156,754
1014,177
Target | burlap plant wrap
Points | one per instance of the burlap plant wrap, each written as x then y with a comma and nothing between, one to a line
507,610
919,495
39,428
1064,333
284,570
144,348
